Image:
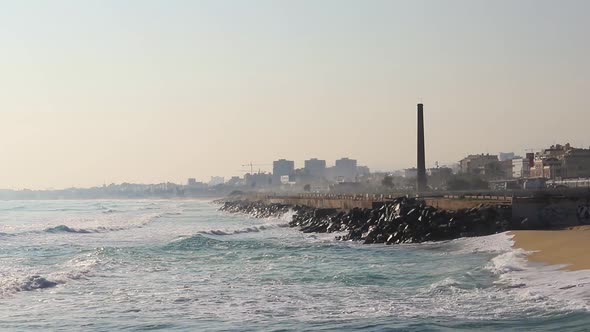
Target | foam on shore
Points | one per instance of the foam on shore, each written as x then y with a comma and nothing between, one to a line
530,279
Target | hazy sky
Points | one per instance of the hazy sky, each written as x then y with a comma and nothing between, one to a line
151,91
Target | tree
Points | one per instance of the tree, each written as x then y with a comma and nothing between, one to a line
388,181
466,182
307,187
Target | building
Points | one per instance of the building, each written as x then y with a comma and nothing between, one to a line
258,180
315,168
521,168
549,168
506,169
363,171
216,180
193,186
345,170
484,165
503,156
234,181
280,168
576,163
562,162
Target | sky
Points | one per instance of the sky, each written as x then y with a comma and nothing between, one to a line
145,91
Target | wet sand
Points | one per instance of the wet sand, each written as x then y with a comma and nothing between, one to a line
569,246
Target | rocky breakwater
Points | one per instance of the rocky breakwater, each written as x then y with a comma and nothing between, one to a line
255,209
403,220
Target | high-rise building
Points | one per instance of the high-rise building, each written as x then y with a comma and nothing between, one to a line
280,168
345,170
315,168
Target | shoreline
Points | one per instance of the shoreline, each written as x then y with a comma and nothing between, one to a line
569,247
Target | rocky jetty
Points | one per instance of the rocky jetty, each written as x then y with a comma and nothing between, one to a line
403,220
255,209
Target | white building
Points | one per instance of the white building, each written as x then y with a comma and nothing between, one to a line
521,168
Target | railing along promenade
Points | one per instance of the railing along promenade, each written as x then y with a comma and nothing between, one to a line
444,200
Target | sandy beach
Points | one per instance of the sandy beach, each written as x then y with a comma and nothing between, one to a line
569,246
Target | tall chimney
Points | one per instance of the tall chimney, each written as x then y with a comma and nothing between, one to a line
421,181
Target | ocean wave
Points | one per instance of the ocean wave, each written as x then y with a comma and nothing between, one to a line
497,243
66,229
30,283
547,284
172,213
122,224
14,208
253,229
512,276
192,242
77,268
445,285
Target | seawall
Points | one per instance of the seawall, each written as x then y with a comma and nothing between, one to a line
538,210
368,201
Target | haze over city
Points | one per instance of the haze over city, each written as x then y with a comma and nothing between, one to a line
153,91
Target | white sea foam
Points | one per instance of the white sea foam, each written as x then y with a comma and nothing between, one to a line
501,242
546,283
571,288
252,229
268,223
88,222
18,279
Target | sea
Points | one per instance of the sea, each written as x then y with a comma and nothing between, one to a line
181,265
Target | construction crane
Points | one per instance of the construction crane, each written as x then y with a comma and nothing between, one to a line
252,166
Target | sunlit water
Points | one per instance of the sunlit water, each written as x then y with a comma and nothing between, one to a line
182,265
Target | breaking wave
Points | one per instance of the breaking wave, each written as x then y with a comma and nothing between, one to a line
138,223
192,242
77,268
253,229
66,229
546,284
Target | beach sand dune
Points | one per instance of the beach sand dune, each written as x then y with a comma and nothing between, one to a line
569,246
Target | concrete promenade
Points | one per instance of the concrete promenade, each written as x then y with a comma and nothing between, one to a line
346,202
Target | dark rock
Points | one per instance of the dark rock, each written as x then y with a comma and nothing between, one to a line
402,220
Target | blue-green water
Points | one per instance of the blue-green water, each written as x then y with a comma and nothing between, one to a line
182,265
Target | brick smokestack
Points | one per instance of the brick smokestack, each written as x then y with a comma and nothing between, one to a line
421,181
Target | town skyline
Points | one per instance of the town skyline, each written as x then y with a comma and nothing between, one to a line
266,167
152,91
352,170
